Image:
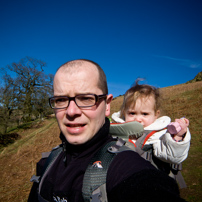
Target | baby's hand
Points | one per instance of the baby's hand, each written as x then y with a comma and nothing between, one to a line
184,123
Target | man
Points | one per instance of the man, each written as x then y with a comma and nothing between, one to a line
81,103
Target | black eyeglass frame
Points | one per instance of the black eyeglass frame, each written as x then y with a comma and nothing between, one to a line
97,99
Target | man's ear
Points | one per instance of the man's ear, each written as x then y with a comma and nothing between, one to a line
108,102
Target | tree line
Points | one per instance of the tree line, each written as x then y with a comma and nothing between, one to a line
24,92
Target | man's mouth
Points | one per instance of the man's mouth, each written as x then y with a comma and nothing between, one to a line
75,125
75,129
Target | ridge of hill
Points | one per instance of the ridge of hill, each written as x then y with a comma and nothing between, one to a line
198,77
18,161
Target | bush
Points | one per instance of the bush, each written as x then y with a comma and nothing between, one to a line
9,138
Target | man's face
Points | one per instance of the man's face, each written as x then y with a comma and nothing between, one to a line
80,124
143,111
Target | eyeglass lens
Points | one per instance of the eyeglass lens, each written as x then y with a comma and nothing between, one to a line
81,101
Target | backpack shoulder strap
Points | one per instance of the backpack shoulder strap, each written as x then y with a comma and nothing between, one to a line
94,182
51,157
96,172
177,175
140,143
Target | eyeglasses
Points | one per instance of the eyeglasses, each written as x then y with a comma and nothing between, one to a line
82,100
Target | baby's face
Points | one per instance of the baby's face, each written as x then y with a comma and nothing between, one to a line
143,111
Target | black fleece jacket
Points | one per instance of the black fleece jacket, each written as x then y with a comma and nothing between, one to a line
129,177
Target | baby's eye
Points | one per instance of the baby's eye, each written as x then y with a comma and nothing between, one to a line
145,114
131,113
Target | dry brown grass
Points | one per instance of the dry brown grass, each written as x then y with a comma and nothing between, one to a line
18,160
116,104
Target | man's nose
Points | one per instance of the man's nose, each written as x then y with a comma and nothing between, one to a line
73,109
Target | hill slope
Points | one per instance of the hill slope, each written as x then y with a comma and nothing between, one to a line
18,160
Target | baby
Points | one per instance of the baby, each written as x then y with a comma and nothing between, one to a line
142,104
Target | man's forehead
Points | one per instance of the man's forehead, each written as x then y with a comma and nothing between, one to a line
78,65
83,78
74,67
77,72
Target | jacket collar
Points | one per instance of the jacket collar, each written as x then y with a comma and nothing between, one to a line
98,139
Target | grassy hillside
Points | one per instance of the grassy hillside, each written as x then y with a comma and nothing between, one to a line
17,161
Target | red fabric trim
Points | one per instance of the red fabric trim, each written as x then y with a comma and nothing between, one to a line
116,123
147,137
132,142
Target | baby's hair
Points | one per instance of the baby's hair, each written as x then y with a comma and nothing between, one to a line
139,91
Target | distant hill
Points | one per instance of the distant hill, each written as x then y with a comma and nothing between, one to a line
18,160
198,77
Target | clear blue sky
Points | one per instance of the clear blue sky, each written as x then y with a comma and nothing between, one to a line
159,40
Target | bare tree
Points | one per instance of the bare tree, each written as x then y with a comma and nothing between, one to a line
8,101
30,85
